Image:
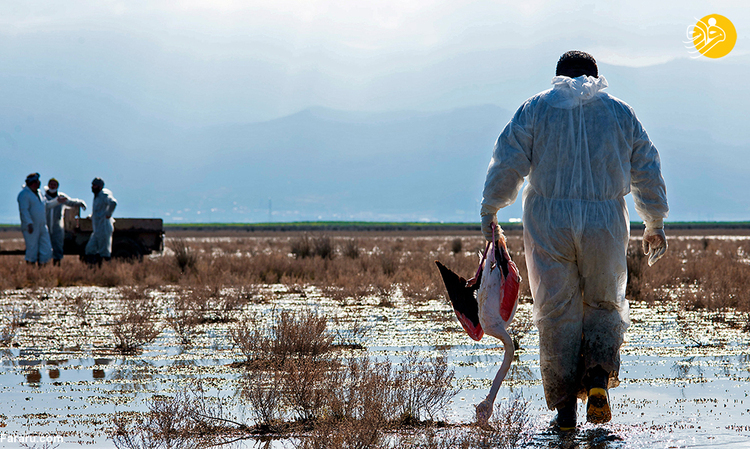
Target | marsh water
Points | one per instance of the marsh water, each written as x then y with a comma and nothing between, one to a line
685,377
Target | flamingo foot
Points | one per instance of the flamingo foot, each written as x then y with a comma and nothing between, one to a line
484,412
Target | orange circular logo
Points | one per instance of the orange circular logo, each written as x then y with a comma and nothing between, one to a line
713,36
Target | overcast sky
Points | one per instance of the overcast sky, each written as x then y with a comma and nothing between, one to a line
72,70
215,61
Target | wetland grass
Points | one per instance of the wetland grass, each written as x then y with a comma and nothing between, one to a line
136,323
303,382
302,386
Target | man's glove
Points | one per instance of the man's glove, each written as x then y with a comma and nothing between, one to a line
30,228
487,221
654,244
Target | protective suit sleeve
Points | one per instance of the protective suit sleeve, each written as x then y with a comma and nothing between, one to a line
510,163
24,209
111,206
75,202
49,204
646,181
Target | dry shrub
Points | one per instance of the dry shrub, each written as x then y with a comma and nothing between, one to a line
705,274
456,245
182,421
510,424
295,369
323,246
350,334
184,318
290,334
137,324
509,428
356,434
363,391
263,391
348,393
212,304
81,302
389,263
307,387
302,247
351,248
11,322
702,273
306,246
423,387
184,256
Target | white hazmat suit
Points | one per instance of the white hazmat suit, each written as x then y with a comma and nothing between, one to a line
583,151
55,219
33,207
100,242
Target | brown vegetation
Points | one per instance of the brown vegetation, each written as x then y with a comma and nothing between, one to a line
137,322
701,272
706,273
305,387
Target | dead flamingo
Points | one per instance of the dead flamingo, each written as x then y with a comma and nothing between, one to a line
488,307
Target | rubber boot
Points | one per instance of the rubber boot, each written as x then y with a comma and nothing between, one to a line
565,421
597,406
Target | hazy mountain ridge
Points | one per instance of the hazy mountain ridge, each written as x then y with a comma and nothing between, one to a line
323,163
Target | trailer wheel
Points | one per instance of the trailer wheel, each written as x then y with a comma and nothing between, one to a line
127,249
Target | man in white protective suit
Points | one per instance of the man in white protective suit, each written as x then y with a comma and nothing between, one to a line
99,245
55,217
33,207
583,150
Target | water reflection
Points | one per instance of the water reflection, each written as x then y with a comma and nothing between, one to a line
7,356
519,373
598,438
33,377
140,373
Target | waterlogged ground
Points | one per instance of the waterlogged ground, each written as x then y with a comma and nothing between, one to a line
685,375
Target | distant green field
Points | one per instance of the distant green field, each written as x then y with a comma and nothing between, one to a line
413,226
397,226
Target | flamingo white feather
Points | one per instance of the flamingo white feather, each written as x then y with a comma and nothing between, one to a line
491,311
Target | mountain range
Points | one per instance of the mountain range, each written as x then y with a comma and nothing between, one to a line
328,164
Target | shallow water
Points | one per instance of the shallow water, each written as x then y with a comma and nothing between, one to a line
685,375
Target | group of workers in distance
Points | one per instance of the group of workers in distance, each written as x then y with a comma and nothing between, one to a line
582,150
42,221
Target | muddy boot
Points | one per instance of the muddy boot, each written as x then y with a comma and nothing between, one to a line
597,407
565,421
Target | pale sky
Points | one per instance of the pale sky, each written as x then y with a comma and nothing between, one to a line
209,57
120,89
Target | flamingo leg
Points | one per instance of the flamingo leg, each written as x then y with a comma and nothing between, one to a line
484,408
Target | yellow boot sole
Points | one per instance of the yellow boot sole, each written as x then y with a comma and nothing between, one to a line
597,408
